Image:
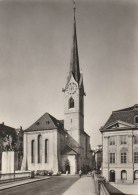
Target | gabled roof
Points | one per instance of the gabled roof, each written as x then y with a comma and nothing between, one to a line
125,116
118,125
46,122
68,151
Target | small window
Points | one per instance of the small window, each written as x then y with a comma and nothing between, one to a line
37,123
112,140
136,139
123,139
71,103
47,122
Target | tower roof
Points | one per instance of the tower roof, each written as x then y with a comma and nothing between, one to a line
74,62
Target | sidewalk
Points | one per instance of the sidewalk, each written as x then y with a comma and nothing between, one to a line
85,185
4,186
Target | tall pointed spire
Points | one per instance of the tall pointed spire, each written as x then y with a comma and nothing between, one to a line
74,62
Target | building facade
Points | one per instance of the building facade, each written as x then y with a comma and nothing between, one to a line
52,144
120,146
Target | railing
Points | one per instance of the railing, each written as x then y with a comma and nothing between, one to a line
104,188
18,175
99,185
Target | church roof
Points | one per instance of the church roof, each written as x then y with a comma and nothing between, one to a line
46,122
126,115
74,62
68,151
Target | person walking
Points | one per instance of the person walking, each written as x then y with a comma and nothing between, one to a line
80,173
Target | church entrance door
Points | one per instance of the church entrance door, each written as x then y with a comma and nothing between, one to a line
68,169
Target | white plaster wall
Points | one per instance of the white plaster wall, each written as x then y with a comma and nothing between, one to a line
118,167
52,160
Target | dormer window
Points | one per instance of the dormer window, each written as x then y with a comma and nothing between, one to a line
136,119
136,107
71,103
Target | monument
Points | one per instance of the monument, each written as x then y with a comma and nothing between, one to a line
9,158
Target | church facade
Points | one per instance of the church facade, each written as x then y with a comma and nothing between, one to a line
61,145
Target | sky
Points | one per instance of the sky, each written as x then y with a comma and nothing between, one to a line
35,51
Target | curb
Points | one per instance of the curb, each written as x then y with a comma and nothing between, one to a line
23,183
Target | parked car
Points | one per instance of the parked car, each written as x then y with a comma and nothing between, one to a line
41,172
56,174
89,174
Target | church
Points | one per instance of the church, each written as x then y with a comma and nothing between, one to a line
61,145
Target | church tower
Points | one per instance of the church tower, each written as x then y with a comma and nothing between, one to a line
74,94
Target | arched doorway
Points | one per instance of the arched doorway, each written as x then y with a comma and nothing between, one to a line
112,176
67,166
136,175
123,175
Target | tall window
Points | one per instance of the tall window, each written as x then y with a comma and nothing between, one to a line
46,150
71,103
32,152
112,157
39,148
112,140
123,157
135,157
136,139
123,139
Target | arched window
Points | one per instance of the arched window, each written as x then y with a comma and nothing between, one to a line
46,150
136,119
32,151
71,103
123,175
39,148
136,174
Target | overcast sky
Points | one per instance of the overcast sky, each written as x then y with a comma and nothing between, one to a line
35,50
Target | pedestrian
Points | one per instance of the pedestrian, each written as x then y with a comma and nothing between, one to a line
80,173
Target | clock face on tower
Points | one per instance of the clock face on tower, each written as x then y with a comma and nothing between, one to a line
72,87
